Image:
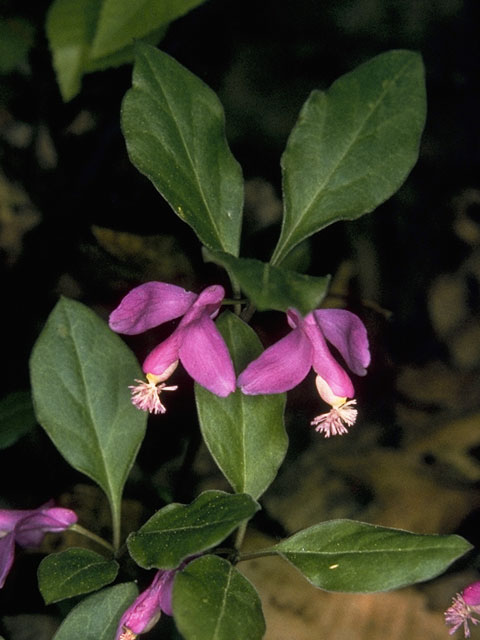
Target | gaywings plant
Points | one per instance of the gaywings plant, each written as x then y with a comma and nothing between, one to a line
351,149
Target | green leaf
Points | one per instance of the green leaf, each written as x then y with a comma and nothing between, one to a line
16,417
174,129
124,55
353,145
245,434
89,35
122,21
80,374
179,530
213,601
73,572
70,30
97,617
270,287
344,555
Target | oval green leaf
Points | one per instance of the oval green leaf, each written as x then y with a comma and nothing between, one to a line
245,434
97,617
213,601
344,555
73,572
174,129
270,287
353,145
80,372
180,530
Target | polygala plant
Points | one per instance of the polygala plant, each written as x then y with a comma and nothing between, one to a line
352,147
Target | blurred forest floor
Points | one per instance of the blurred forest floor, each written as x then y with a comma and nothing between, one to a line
77,219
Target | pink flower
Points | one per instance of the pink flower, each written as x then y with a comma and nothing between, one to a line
196,342
146,610
27,528
286,363
464,605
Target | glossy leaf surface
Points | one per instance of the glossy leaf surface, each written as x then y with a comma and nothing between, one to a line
174,129
180,530
270,287
212,600
353,145
345,555
97,617
73,572
80,372
245,434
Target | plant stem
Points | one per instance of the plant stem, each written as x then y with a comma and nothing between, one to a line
248,312
256,554
93,536
116,523
236,294
240,534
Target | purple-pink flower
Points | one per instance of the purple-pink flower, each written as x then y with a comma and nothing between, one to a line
196,342
464,605
27,528
146,610
286,363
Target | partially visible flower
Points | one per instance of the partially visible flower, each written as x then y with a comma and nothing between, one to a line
196,342
146,610
286,363
464,605
27,528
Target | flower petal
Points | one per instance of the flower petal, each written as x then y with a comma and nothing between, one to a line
280,367
324,363
145,610
205,356
211,296
7,552
165,593
348,334
29,532
164,354
208,302
471,594
150,305
327,394
10,517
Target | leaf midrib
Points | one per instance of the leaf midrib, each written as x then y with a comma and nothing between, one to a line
187,152
364,551
223,604
334,167
206,525
109,488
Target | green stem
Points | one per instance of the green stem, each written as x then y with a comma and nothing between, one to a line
93,536
227,301
248,312
277,256
255,554
241,534
116,524
237,294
